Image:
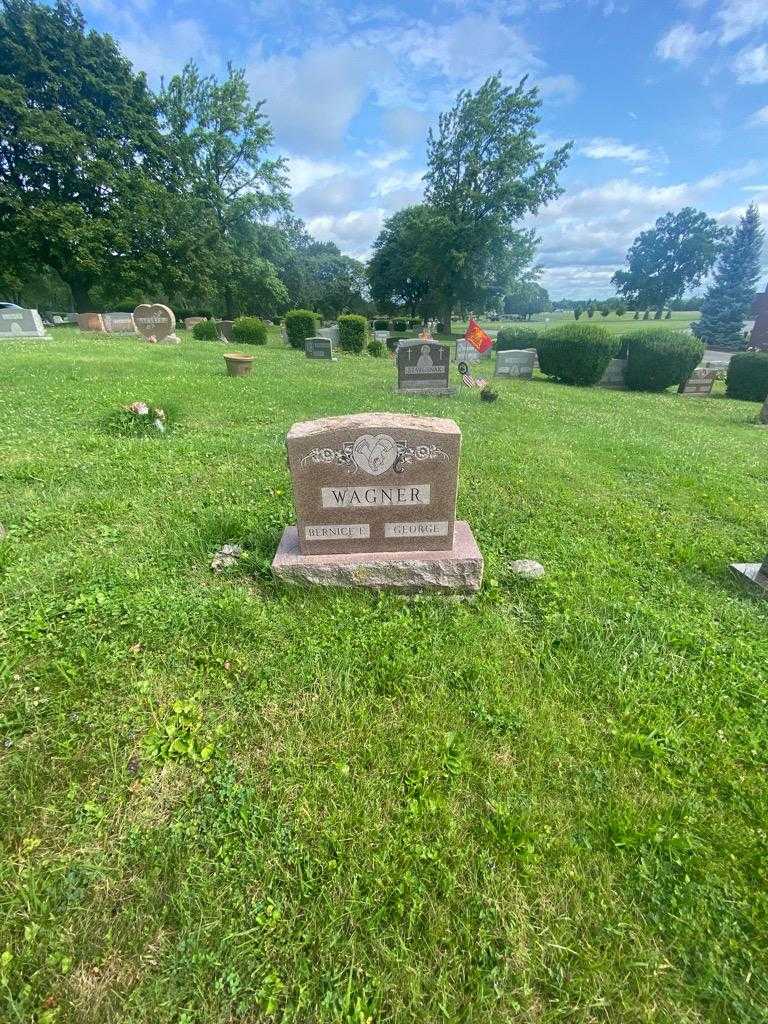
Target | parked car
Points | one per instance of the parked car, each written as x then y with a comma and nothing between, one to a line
10,305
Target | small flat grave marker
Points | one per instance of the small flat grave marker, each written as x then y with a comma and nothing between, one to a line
699,384
423,368
375,497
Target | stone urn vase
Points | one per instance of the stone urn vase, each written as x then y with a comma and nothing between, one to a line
238,365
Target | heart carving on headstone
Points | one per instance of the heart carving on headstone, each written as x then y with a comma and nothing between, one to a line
374,454
154,320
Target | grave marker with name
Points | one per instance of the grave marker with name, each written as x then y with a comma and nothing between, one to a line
330,332
318,348
423,368
156,321
466,353
514,362
22,323
119,323
91,322
375,497
699,384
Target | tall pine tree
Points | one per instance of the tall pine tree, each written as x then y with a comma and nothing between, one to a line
729,298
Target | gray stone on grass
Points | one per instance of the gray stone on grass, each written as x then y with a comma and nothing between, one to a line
226,557
526,569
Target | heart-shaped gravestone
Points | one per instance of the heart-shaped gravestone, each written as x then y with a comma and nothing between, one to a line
154,321
374,454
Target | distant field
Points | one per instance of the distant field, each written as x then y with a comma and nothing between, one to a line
613,323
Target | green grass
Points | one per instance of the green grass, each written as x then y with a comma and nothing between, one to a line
543,804
615,324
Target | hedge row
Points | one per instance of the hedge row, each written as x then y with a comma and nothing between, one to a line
353,331
300,324
576,353
246,330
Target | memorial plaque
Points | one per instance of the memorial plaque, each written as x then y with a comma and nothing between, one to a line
93,322
699,384
318,348
374,482
423,368
156,321
614,376
21,323
515,363
119,323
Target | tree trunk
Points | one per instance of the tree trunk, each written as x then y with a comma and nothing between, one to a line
445,316
80,295
229,304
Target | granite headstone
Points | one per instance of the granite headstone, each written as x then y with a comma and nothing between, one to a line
119,323
423,368
614,377
515,362
92,322
21,323
699,384
156,321
318,348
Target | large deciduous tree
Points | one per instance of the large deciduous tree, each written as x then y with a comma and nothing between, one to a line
526,299
399,271
82,162
729,298
485,172
676,253
220,140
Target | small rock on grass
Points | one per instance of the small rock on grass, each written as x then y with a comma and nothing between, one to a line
526,569
226,556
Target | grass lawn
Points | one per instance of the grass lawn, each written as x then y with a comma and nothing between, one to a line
546,803
612,323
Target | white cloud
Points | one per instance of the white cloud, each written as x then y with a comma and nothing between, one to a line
404,125
563,87
759,119
738,18
611,149
304,172
751,65
353,232
682,43
380,163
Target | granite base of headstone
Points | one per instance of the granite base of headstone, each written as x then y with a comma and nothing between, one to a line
754,575
515,363
319,348
156,322
614,377
375,497
22,323
699,384
423,368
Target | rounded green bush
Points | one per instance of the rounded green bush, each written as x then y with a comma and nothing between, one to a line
300,324
352,333
657,359
415,321
748,376
206,330
515,337
575,353
381,325
249,330
399,325
375,347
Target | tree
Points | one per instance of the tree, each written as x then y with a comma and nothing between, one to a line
678,252
399,269
82,162
219,139
578,309
526,299
590,310
621,309
485,171
728,299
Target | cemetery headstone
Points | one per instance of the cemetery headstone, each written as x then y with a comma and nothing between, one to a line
375,497
466,353
699,384
423,368
190,321
759,337
753,574
119,323
515,363
614,376
381,336
330,332
318,348
92,322
156,321
22,323
225,328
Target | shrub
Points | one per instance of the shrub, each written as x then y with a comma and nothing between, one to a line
381,325
515,337
206,330
748,376
399,325
352,331
415,321
657,358
375,347
249,330
575,353
300,324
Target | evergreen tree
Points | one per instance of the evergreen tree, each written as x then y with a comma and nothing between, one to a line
727,302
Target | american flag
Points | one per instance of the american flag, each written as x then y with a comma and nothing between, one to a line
470,381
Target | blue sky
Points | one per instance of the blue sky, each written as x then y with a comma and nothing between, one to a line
666,101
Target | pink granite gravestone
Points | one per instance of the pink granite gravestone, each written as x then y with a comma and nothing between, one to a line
375,497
